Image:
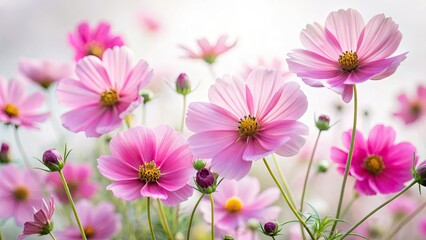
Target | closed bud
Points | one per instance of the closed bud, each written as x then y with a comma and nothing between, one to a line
420,175
323,166
52,159
228,237
5,153
199,164
205,178
147,96
271,228
323,123
183,85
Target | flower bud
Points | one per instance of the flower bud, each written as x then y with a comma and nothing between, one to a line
253,224
147,96
199,164
323,123
4,153
421,174
183,86
205,178
271,228
228,237
52,159
323,166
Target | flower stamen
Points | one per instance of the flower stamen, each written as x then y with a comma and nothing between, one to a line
11,110
95,50
109,98
21,193
233,204
248,126
89,231
149,172
374,164
348,61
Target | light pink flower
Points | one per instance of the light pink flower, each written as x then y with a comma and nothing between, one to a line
87,41
237,202
379,165
412,109
19,193
402,207
18,109
146,162
273,64
78,180
44,71
346,51
99,222
246,121
209,52
149,22
422,227
105,92
43,223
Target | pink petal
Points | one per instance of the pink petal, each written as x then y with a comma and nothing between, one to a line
319,40
391,68
203,147
118,62
364,188
380,139
116,169
153,190
128,190
138,77
230,164
294,132
75,93
84,119
207,116
178,196
92,73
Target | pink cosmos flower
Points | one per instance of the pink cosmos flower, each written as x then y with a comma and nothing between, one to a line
19,193
16,108
379,165
87,41
246,121
78,179
149,22
237,202
422,227
42,223
99,222
209,52
44,71
412,109
105,92
346,51
146,162
273,64
404,206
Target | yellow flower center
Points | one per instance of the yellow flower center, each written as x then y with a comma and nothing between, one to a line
149,172
248,126
233,204
416,108
11,110
21,193
374,164
89,231
46,83
348,61
109,98
95,50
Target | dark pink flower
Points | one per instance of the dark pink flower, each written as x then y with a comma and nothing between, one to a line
209,52
412,109
379,165
346,51
42,223
87,41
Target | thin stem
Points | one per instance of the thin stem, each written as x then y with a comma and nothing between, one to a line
404,221
182,124
55,124
176,219
51,235
346,210
143,114
1,236
21,148
164,220
212,213
149,218
378,208
273,237
348,161
67,191
283,180
192,216
293,209
212,72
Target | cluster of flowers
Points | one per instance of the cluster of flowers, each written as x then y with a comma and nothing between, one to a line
246,119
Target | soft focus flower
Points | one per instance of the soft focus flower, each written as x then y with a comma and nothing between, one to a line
146,162
209,52
246,121
274,64
52,159
371,229
422,227
149,22
346,51
87,41
45,71
204,178
42,223
323,123
19,193
5,153
99,222
78,177
412,109
105,92
183,85
379,165
271,228
18,109
420,174
402,207
237,202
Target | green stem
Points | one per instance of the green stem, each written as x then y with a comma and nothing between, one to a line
182,124
378,208
346,210
293,209
212,213
21,148
149,218
192,216
212,72
176,219
164,220
283,180
51,235
305,184
67,191
404,221
273,237
348,161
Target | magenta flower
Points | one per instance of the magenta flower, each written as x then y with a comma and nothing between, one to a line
105,92
379,165
42,223
19,193
145,162
99,222
87,41
16,108
412,109
79,183
246,121
422,227
45,71
209,52
346,51
237,202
